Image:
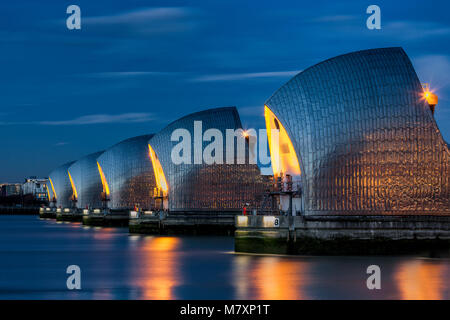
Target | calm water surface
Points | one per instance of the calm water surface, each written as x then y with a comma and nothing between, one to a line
34,255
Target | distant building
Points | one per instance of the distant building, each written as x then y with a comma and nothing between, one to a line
10,189
38,187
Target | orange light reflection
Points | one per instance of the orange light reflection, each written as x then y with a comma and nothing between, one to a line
270,278
160,268
420,280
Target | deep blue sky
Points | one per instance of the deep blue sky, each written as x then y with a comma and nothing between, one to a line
137,65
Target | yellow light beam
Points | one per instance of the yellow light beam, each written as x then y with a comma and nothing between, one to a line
103,178
282,153
75,194
161,181
48,193
53,189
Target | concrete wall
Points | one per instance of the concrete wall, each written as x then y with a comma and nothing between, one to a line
328,228
340,234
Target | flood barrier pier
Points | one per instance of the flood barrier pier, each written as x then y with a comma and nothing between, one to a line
48,212
105,218
333,235
164,223
69,214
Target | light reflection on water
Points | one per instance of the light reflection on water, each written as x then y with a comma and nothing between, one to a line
423,280
34,255
269,278
160,268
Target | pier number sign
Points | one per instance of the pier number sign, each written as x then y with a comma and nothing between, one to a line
276,222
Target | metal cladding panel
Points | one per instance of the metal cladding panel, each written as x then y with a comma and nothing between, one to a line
61,183
203,187
366,141
129,173
87,181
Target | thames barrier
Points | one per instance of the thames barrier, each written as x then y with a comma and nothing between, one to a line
359,166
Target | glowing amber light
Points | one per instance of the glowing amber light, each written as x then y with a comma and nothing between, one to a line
103,178
75,194
282,154
429,95
431,98
157,168
53,189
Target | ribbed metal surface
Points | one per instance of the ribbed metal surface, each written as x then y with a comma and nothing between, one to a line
62,186
87,181
203,187
129,173
365,140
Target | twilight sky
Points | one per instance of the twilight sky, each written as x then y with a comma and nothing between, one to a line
137,65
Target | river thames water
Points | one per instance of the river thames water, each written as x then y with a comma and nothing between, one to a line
34,255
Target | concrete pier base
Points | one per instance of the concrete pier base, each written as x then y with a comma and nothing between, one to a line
336,235
69,214
186,223
105,218
47,213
